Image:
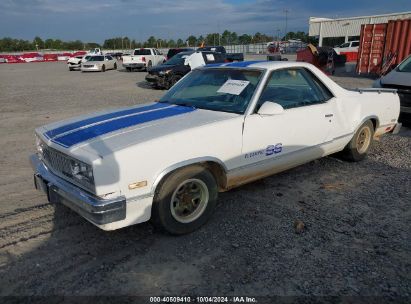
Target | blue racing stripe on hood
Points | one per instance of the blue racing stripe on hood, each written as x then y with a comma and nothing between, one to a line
93,131
101,118
239,64
243,64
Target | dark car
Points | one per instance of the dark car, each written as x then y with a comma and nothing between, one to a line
400,79
172,52
167,74
230,57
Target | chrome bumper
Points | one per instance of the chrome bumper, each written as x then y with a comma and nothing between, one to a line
134,65
92,208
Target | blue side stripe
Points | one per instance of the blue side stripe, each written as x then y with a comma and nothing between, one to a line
81,135
82,123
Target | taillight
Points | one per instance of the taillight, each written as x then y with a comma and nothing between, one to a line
226,60
143,59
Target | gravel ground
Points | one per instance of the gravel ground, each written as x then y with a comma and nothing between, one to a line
356,216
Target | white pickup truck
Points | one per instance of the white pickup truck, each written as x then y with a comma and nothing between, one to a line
143,59
219,127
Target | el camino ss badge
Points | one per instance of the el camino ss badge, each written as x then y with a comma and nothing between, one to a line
270,150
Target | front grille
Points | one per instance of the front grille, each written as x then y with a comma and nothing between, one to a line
87,66
57,161
61,165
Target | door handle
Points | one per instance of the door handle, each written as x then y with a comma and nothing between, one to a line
329,115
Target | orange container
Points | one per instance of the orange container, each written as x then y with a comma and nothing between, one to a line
381,42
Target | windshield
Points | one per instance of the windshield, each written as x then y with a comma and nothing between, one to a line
96,58
178,59
226,90
405,66
142,52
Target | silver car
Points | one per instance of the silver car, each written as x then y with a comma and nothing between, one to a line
99,63
400,79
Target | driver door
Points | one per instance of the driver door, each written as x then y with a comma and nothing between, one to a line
298,133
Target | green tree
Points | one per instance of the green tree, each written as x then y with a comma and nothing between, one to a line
38,42
151,42
245,39
180,42
192,40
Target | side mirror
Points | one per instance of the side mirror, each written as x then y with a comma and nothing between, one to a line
270,108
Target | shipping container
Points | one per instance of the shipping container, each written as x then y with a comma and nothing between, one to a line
383,45
398,40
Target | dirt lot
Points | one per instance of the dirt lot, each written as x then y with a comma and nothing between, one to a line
357,215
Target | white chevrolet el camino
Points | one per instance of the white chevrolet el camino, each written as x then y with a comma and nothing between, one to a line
219,127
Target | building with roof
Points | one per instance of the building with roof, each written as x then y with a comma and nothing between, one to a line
335,31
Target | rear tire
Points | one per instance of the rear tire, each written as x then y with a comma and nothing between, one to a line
357,149
185,200
103,68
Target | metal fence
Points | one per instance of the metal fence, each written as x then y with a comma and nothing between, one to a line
285,47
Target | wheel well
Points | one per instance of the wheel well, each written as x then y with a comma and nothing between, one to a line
218,172
215,168
374,123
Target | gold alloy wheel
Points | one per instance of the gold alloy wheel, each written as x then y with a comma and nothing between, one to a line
189,200
363,140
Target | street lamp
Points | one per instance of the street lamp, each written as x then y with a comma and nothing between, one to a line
286,11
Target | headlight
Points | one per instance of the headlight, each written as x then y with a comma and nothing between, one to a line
81,171
164,72
39,146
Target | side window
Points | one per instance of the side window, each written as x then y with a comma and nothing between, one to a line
209,58
109,57
355,43
292,88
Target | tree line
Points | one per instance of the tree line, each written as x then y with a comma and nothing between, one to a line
8,44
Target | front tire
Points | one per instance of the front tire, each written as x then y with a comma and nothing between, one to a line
185,200
357,149
115,66
103,68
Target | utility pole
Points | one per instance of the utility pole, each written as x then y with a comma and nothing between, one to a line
286,11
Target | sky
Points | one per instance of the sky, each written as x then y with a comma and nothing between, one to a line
96,20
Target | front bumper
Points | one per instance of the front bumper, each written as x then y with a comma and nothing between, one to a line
161,81
95,68
96,210
134,65
74,65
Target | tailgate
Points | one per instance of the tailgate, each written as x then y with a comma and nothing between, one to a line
133,59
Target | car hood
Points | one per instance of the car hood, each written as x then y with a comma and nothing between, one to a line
397,78
162,67
107,132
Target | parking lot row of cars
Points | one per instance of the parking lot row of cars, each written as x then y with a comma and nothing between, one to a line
163,71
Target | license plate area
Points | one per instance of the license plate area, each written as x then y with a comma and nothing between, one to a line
40,183
43,186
